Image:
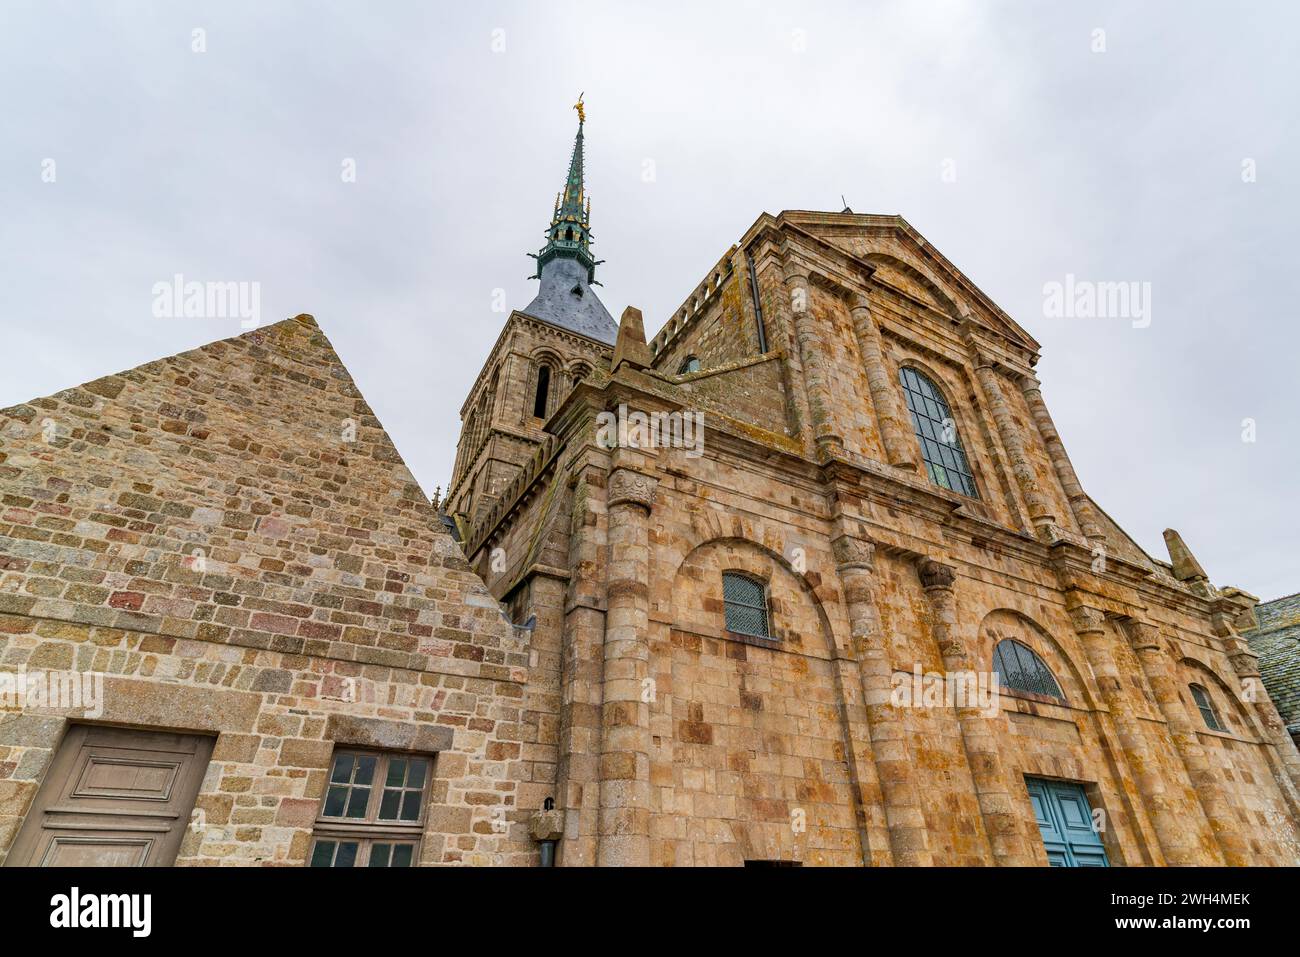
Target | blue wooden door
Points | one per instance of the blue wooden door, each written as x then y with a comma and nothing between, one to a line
1065,820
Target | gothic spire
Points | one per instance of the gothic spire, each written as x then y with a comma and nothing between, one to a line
565,265
569,234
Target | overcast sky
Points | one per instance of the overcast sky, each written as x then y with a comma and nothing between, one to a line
998,130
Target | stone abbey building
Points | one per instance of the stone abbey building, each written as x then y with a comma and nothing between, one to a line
806,578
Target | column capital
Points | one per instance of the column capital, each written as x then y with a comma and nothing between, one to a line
1087,619
935,575
858,301
1143,635
853,553
627,487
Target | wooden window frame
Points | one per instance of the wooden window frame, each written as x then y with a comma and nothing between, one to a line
370,830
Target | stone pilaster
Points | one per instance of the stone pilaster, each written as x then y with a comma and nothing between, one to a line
581,672
1220,815
993,784
904,816
1149,782
891,416
1080,504
1040,515
811,357
625,710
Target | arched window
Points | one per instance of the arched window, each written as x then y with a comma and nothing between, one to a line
744,602
936,430
1020,669
543,391
1209,714
580,372
691,364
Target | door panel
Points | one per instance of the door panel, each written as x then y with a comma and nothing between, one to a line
114,798
1065,821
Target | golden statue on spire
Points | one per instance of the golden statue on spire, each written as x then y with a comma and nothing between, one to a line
582,113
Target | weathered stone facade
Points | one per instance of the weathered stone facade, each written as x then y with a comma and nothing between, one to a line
680,742
229,537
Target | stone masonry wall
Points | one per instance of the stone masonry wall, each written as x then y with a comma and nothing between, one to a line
229,536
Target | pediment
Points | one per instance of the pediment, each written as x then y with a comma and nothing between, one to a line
903,259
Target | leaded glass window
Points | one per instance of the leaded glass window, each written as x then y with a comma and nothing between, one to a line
1209,714
745,603
936,431
692,364
1020,669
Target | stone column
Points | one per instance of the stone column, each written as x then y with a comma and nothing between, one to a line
909,838
1171,835
993,784
577,773
1221,815
1040,516
1080,504
625,715
891,416
812,360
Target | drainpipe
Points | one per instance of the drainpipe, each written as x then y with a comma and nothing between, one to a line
547,827
758,306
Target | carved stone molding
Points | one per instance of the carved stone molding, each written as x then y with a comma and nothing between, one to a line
853,552
936,574
627,487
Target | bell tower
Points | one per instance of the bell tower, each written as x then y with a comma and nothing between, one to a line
544,349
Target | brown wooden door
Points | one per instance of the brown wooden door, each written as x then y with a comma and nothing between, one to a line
113,798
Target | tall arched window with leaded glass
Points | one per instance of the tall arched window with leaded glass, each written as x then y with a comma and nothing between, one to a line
936,431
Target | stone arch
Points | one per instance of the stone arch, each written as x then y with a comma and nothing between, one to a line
1003,623
708,524
1192,670
759,561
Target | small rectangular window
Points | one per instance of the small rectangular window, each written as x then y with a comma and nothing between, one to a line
373,812
745,605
